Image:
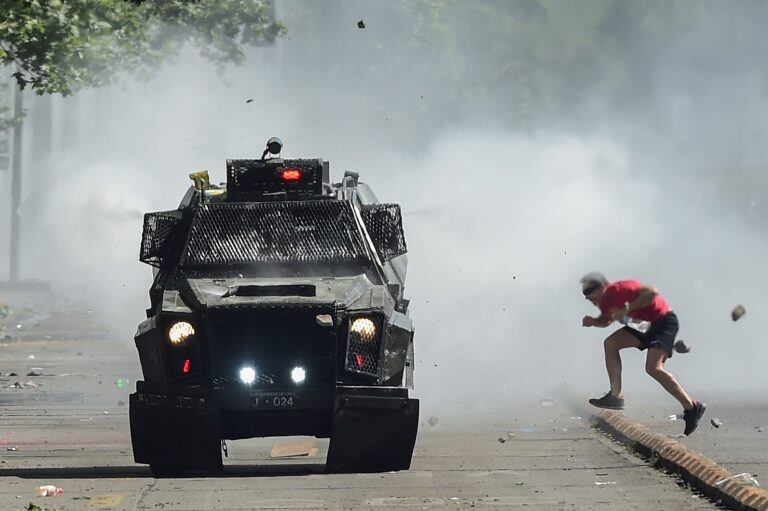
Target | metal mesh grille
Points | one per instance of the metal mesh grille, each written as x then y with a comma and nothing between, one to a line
262,380
385,226
275,232
363,344
157,235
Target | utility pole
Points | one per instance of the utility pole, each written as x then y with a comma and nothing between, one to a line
14,283
18,106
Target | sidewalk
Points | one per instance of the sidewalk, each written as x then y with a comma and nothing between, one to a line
721,463
740,444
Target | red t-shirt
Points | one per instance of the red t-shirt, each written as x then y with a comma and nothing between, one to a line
618,293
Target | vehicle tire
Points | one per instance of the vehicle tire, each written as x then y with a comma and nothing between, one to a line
164,471
373,434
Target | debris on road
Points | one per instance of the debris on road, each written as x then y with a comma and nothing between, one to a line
34,373
105,501
48,490
294,449
716,422
361,24
759,429
26,385
433,421
121,403
604,483
501,439
122,382
12,449
510,434
547,402
673,417
738,312
744,477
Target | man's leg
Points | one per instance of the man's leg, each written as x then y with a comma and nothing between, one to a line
618,340
654,366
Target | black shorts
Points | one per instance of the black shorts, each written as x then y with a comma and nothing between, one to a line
661,333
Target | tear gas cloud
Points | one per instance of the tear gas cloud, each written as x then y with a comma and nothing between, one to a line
652,168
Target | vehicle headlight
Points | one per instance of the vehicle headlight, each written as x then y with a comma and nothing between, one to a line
365,328
363,344
247,375
298,374
180,332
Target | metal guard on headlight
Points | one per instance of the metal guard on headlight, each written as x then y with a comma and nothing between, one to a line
364,344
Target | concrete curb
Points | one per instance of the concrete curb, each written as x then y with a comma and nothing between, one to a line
698,470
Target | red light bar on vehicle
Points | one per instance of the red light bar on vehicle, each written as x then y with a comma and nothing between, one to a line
254,180
290,174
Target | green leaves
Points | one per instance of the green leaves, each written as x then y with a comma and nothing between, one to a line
61,47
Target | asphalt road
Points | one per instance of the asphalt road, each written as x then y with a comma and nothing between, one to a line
69,428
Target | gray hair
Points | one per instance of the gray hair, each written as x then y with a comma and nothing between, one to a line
593,278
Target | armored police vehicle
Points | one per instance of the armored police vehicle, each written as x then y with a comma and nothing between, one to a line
277,309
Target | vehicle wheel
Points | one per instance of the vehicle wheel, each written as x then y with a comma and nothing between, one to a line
163,471
170,435
369,437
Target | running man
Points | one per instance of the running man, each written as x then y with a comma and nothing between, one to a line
620,301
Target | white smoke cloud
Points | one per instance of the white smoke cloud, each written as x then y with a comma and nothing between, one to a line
500,224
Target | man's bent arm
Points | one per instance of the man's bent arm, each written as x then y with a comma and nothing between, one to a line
644,298
602,321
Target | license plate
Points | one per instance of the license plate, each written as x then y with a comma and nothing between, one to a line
276,400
